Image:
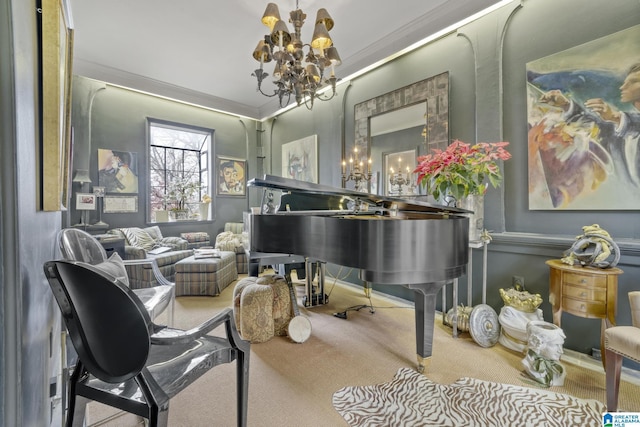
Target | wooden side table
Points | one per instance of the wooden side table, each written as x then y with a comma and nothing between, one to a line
586,292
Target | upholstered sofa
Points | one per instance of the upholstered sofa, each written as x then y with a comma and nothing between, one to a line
137,244
235,239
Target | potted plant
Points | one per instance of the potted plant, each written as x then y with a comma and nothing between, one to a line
462,169
181,192
461,172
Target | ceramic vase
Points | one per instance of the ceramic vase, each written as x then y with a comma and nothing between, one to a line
475,203
162,216
204,211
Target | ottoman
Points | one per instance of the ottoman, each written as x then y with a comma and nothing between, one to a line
262,307
205,276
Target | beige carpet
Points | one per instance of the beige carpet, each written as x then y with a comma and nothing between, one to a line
293,384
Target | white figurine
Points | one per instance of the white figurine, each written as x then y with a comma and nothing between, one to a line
544,348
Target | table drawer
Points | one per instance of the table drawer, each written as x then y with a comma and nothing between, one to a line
584,308
599,281
586,294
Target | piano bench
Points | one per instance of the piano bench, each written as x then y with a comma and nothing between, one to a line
262,307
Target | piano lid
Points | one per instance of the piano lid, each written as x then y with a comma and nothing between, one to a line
294,186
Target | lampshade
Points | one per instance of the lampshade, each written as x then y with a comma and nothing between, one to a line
81,176
262,52
332,55
280,29
321,39
324,17
271,15
279,70
312,73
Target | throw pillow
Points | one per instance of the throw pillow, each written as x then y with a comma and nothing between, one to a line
227,241
154,232
114,267
174,242
139,238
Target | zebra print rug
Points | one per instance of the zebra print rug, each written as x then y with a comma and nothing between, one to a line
411,399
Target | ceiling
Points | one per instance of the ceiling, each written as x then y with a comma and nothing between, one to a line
200,51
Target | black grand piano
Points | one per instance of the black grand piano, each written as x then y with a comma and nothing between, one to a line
392,241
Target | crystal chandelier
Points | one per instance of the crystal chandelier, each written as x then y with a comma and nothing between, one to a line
295,73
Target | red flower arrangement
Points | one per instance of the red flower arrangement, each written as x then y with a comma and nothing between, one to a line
461,169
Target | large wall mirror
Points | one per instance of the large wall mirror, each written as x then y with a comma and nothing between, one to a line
393,129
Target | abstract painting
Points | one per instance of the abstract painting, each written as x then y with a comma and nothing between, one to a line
300,159
118,171
584,126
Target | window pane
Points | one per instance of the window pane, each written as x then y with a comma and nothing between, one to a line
177,174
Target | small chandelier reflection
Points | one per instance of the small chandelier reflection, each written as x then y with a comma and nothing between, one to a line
401,184
294,73
356,174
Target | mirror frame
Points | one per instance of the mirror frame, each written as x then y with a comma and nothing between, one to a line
433,90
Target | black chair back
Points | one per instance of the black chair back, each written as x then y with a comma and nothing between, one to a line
108,325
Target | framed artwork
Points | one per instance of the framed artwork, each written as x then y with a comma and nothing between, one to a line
584,126
398,175
118,171
85,202
232,176
99,191
432,93
375,186
300,159
120,204
56,74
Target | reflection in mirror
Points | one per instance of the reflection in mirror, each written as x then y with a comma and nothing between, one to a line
398,172
412,119
395,140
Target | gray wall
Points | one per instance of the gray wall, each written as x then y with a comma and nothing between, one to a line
110,117
29,335
486,60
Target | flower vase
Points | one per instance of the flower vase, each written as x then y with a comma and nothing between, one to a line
204,211
475,203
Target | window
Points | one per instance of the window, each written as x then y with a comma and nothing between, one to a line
179,165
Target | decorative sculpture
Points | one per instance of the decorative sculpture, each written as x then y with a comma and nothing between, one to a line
520,308
593,248
513,333
544,348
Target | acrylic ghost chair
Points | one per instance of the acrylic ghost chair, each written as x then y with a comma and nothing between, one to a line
619,342
78,245
127,361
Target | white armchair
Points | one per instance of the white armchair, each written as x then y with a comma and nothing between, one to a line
235,239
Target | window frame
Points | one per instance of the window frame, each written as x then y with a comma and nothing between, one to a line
206,167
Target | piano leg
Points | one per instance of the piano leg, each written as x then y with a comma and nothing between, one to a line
425,302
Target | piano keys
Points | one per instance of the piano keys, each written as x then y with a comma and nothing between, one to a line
391,241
